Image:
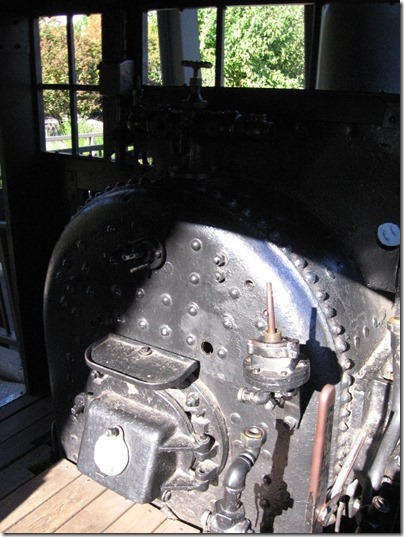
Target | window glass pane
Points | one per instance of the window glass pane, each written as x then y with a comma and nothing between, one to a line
264,46
57,120
90,123
207,43
53,46
87,45
154,77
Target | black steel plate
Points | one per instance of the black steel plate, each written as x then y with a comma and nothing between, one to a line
138,363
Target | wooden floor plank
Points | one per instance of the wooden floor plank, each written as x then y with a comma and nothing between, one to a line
25,418
175,526
19,472
16,406
21,443
55,511
97,515
29,497
138,519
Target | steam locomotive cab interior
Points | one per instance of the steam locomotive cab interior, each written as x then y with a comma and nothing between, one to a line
212,293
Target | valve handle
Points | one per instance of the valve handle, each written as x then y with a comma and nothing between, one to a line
196,66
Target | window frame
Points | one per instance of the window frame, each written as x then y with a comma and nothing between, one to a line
72,87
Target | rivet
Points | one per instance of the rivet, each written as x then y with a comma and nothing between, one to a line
346,397
166,300
143,324
90,291
217,194
120,318
330,273
66,263
260,324
265,454
85,268
311,278
347,380
337,329
300,263
322,296
235,418
58,275
139,293
274,236
346,363
81,245
220,275
190,340
342,427
222,352
374,322
228,322
220,259
366,331
344,413
342,345
196,245
357,342
63,301
192,400
165,330
193,309
329,312
238,443
234,293
194,278
116,290
247,212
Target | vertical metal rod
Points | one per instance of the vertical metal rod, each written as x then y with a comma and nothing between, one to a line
219,69
270,310
72,82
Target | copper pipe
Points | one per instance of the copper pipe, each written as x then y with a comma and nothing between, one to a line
271,329
325,402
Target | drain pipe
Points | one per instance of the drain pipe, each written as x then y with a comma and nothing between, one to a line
228,515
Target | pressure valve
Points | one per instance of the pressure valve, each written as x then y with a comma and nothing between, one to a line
274,362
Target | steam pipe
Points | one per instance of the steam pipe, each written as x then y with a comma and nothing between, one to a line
392,433
235,481
228,515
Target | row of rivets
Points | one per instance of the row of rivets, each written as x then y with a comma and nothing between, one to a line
342,347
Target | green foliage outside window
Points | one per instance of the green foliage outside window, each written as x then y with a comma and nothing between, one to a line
54,63
263,46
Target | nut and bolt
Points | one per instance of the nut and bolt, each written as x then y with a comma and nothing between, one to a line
290,422
192,400
166,496
220,275
381,504
112,431
145,351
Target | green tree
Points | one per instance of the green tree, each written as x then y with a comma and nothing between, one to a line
263,46
54,64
